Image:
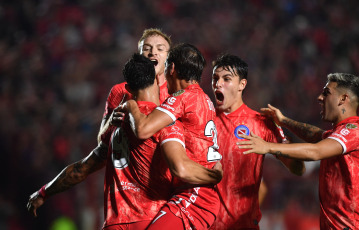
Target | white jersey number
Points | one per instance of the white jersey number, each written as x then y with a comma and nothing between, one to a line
211,131
120,153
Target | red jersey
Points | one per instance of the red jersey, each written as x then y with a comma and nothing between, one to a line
339,179
137,181
198,206
243,173
119,93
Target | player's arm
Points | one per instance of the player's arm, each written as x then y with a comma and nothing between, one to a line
302,151
307,132
186,169
262,193
145,126
105,123
297,167
68,177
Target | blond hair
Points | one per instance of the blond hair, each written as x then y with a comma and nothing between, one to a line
153,32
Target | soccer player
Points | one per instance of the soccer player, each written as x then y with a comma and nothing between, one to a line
239,188
337,149
197,207
154,44
137,181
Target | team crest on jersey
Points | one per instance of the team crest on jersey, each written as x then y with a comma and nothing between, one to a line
241,129
179,92
351,126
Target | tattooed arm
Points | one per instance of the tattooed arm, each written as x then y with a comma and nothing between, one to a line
68,177
301,151
307,132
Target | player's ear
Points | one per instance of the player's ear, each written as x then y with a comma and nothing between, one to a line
127,87
343,98
242,84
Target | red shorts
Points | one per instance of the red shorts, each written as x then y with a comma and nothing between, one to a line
165,219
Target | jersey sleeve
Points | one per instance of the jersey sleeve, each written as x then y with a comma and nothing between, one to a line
117,94
346,137
275,132
173,106
173,132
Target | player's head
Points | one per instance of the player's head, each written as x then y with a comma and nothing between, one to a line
187,60
139,72
154,44
339,96
229,79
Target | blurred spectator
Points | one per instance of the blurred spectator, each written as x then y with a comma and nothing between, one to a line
59,59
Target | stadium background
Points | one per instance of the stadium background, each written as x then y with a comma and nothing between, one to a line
59,59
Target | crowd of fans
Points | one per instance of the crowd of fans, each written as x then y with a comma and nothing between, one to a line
59,59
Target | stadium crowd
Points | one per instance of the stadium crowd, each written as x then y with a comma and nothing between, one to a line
59,59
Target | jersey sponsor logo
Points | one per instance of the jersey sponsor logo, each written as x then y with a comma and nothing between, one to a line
344,132
179,92
241,129
171,100
351,126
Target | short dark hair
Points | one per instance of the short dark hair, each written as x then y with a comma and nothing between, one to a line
229,61
139,72
346,81
188,60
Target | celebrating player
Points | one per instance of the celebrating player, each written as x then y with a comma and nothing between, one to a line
154,44
243,173
196,207
337,149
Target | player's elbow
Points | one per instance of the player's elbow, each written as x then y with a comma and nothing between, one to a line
180,171
142,132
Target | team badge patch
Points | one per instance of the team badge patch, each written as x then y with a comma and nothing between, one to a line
351,126
241,129
179,92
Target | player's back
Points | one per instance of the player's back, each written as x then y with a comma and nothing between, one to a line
198,206
138,181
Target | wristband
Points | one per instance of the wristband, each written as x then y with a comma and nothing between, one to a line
42,192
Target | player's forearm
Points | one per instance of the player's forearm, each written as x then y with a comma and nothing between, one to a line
296,167
104,126
194,173
138,121
74,174
307,132
301,151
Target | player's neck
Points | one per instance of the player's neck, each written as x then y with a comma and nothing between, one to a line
345,113
182,84
150,94
160,79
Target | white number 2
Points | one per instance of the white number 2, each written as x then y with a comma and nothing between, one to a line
211,131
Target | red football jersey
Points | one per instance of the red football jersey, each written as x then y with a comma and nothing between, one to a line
119,93
242,173
198,206
339,179
137,181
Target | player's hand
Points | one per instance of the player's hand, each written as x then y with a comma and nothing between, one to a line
35,201
117,117
254,143
273,113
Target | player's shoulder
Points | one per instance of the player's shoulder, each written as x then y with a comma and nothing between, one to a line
119,87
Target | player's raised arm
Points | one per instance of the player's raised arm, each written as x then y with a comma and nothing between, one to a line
186,169
68,177
307,132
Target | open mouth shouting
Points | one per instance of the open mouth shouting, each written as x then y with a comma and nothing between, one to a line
219,97
154,61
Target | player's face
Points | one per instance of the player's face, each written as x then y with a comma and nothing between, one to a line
155,48
227,88
329,101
